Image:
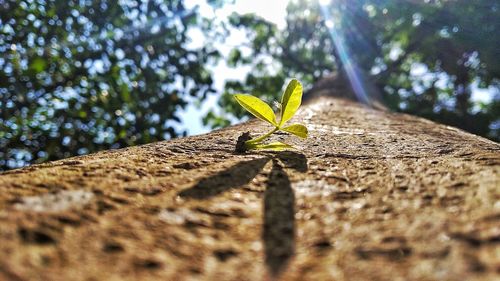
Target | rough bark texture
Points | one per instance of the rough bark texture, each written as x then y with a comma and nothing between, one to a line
370,195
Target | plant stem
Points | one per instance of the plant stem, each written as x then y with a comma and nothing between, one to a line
261,138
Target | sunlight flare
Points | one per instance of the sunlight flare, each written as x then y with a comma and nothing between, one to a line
351,69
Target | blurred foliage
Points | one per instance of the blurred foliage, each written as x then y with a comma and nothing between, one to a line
425,57
77,76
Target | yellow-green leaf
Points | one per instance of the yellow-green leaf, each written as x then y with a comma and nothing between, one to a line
257,107
296,129
278,146
290,101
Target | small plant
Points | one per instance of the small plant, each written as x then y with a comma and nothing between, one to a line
290,102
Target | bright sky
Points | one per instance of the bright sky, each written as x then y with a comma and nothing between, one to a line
271,10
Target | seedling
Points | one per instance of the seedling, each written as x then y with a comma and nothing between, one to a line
290,102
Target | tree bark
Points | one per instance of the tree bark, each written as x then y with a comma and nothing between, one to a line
370,195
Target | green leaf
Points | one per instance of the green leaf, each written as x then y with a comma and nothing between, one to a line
290,101
257,107
296,129
278,146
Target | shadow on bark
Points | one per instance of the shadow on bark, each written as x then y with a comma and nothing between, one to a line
279,223
278,234
293,160
237,175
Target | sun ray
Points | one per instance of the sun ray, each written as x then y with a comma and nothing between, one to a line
353,72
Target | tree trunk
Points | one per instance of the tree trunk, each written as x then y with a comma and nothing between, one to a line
370,195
